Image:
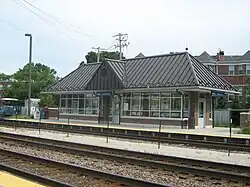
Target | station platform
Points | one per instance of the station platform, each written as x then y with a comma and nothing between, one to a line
217,131
9,180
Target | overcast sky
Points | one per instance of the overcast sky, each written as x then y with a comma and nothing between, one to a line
73,27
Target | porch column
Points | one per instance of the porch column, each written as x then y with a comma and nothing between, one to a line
208,109
193,110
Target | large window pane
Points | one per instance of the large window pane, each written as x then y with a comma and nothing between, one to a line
135,103
95,106
165,106
175,107
81,106
154,102
126,106
69,105
145,104
74,107
88,105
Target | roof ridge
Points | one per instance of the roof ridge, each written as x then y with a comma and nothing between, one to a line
162,55
224,80
192,66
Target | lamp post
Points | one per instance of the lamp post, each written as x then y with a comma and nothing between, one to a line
30,57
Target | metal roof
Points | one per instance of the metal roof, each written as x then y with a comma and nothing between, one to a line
246,56
207,78
76,80
205,57
161,71
118,67
172,70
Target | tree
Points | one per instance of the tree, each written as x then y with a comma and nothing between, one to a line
91,57
4,77
48,100
41,77
221,102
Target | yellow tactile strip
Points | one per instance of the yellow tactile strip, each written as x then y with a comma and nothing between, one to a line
9,180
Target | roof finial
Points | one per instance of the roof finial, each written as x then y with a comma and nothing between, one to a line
186,48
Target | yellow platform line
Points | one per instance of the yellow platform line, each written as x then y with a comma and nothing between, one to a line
9,180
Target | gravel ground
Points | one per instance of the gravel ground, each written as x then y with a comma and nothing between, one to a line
171,150
61,174
145,173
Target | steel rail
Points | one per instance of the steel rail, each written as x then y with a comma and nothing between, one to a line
206,168
90,172
204,141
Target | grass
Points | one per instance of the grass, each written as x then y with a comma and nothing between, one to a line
225,125
19,117
246,130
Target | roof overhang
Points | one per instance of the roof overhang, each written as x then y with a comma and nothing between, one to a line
148,89
218,90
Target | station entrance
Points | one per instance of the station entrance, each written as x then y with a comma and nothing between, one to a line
109,109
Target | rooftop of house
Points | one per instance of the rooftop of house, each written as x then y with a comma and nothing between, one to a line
205,57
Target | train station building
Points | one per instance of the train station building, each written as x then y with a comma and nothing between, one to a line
167,88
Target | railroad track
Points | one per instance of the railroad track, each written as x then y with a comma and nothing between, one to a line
69,175
203,141
190,170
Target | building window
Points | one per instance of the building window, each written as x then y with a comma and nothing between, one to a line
135,105
240,69
165,105
248,69
144,105
231,69
79,104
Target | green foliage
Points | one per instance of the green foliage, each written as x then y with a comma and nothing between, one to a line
221,102
92,56
19,117
246,130
4,77
41,77
236,103
48,100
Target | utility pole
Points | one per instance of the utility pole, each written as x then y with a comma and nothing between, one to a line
30,59
98,53
122,39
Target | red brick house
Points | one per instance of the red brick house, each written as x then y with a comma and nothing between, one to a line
233,68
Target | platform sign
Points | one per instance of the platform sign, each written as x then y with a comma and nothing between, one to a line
218,94
99,94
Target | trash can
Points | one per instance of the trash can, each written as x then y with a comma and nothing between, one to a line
42,113
184,123
46,112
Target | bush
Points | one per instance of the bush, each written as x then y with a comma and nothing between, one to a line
19,117
246,130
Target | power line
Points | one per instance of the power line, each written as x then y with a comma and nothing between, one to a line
122,42
67,25
18,2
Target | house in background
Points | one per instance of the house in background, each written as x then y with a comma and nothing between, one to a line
233,68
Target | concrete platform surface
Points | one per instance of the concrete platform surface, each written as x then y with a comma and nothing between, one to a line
217,131
239,158
9,180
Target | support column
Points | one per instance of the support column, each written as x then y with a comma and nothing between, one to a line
208,109
193,110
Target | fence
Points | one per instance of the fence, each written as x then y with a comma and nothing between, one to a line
221,116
